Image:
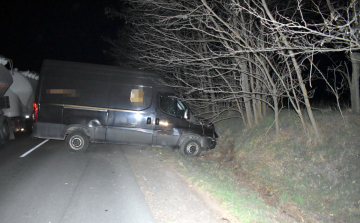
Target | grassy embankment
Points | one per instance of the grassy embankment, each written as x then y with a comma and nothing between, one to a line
260,178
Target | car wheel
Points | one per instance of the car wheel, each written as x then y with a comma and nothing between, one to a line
191,147
77,141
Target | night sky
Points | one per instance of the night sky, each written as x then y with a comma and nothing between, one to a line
31,31
70,30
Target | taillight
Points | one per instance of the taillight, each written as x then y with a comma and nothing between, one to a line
35,111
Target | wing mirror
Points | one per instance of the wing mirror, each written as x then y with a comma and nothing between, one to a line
186,114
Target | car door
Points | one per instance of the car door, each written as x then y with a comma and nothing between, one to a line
169,121
130,118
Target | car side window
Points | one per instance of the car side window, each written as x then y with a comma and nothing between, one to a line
180,111
167,105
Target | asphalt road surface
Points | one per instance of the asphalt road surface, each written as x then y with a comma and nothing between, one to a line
53,184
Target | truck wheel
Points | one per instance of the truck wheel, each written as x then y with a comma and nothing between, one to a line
77,141
6,132
191,147
28,126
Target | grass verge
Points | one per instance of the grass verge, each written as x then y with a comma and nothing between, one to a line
258,177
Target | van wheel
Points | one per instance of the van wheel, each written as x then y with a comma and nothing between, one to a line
191,147
77,141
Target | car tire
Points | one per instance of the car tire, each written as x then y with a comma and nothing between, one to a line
191,147
77,141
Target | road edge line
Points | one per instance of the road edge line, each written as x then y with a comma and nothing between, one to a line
23,155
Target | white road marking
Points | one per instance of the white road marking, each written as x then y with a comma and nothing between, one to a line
23,155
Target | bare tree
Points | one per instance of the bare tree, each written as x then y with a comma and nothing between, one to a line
321,27
240,54
194,41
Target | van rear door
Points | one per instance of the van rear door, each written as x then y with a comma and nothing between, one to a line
50,107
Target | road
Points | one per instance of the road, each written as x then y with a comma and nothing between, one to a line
53,184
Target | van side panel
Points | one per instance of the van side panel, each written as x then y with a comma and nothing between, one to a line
70,96
94,120
130,136
131,114
85,105
48,130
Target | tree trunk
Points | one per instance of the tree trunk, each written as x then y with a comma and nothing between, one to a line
258,100
264,106
246,89
354,88
306,97
253,96
300,78
276,111
212,96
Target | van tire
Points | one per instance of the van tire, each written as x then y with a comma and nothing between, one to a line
191,147
77,141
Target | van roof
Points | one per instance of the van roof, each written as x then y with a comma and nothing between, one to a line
96,69
72,71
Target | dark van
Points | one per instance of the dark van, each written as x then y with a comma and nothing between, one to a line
82,103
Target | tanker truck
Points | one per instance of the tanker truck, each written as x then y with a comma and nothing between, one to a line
17,93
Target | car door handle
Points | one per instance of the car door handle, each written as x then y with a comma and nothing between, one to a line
148,121
157,121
